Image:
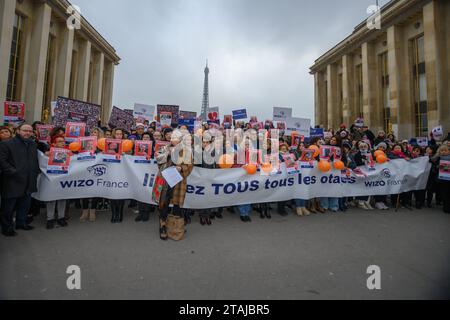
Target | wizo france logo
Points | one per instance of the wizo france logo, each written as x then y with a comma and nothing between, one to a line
386,173
98,170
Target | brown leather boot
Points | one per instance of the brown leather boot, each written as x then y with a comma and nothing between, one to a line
84,216
312,207
92,216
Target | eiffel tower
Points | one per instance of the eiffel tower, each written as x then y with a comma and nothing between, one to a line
205,103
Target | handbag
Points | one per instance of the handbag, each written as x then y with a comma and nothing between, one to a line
175,227
158,187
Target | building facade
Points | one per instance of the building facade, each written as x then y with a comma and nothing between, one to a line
41,58
395,77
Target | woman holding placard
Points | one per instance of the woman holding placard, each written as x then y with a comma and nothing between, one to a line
57,141
117,205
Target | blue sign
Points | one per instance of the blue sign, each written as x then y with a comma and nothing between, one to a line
316,133
240,114
187,122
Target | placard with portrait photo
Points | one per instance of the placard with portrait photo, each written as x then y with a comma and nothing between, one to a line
43,133
88,148
143,151
113,151
74,131
14,112
58,161
307,159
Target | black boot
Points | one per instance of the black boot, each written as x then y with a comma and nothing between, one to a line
267,211
113,214
162,230
282,209
187,217
219,214
50,224
62,222
139,218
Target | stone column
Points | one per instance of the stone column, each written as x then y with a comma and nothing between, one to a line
64,62
320,107
436,65
84,60
97,81
373,113
107,90
7,16
348,94
40,27
402,109
332,94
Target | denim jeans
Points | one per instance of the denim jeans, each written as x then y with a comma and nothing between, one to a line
245,209
330,203
300,203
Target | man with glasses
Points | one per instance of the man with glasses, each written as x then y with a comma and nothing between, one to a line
20,168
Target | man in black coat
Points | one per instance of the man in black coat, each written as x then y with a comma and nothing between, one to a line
20,169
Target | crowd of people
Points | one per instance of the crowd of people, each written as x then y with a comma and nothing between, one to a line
19,170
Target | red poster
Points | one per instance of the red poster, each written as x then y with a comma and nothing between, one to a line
58,161
14,112
43,133
295,139
88,144
281,125
291,164
75,130
143,149
337,153
325,153
113,146
160,145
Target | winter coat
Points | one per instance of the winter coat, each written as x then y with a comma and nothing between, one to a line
20,167
179,191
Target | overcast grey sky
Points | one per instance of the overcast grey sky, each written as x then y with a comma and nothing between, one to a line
259,51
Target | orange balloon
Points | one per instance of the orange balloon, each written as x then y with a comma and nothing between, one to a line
324,166
339,165
382,159
251,169
226,161
316,149
127,145
267,167
101,143
379,153
74,146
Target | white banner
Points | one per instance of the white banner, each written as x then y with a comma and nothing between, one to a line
144,111
98,179
281,114
299,125
222,188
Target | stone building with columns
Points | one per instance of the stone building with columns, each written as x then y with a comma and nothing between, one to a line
395,77
41,58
